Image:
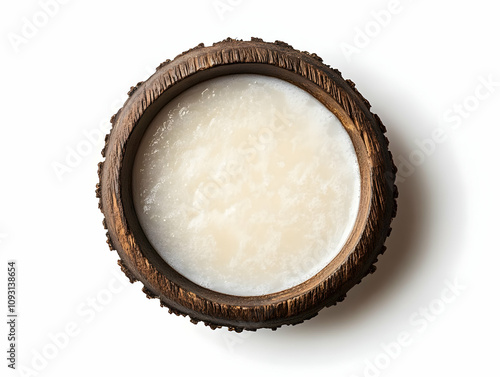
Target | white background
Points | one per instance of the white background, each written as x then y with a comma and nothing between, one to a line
66,78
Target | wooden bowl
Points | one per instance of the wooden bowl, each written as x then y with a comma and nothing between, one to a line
140,261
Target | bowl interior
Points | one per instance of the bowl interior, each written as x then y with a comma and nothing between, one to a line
263,69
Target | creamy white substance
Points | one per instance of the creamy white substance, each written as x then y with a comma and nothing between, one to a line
246,185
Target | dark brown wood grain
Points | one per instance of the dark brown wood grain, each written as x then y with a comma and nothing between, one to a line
138,259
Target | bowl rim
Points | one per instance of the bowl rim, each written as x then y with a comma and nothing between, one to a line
138,258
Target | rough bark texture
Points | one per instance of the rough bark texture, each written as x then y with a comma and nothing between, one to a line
378,194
